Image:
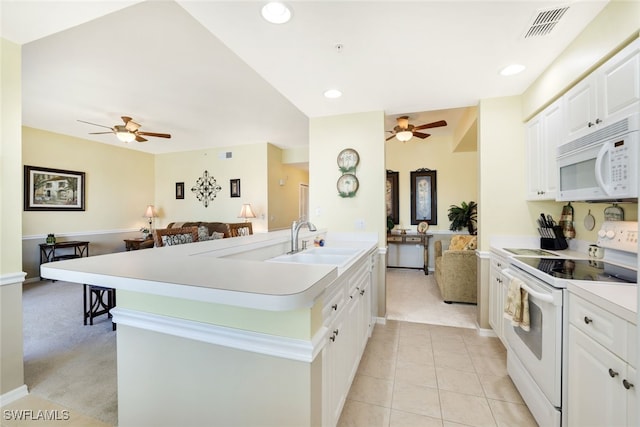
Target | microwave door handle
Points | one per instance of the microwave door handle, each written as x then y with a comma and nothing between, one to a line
604,151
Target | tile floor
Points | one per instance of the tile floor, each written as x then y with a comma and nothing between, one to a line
415,374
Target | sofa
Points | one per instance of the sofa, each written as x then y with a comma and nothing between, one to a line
198,231
456,269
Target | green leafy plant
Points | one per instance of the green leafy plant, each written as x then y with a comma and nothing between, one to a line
463,216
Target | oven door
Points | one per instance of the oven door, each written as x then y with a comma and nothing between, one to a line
540,349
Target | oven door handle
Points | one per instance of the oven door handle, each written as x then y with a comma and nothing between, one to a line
542,297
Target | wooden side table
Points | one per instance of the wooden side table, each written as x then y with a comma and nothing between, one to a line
137,243
413,239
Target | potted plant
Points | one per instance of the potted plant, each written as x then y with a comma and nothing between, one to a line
463,216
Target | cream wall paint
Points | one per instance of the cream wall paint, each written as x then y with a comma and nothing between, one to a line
247,163
613,28
283,189
456,179
119,183
11,276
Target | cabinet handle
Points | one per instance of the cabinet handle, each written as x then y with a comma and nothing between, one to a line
587,320
335,307
332,338
613,373
335,331
362,292
598,121
627,384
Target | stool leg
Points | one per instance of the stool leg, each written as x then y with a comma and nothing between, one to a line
84,301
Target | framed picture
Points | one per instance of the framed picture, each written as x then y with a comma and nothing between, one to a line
235,187
179,190
392,196
424,204
53,189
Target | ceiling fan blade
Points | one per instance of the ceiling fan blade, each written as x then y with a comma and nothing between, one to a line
431,125
132,126
421,135
140,139
159,135
95,124
99,133
392,136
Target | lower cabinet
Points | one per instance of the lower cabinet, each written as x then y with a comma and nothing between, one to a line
348,319
601,390
497,290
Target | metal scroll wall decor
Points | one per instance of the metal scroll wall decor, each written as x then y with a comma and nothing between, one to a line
206,188
348,184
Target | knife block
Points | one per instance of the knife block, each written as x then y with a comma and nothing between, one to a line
554,243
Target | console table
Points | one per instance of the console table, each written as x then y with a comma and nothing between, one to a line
412,239
48,252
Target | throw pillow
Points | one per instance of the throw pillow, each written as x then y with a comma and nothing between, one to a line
463,243
215,236
203,233
176,239
471,245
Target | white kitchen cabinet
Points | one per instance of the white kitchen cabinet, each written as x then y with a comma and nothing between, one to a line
543,135
347,317
606,96
600,375
497,285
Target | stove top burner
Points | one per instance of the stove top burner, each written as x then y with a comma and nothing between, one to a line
575,269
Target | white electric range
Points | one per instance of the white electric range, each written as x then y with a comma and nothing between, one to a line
534,357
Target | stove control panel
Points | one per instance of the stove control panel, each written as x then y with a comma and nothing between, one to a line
620,235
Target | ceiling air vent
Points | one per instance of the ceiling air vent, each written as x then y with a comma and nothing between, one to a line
545,21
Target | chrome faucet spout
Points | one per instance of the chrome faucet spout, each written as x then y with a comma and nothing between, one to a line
295,230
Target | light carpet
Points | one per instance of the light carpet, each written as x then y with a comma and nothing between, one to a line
415,297
64,361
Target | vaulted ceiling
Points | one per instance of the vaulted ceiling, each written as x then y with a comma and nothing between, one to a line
214,73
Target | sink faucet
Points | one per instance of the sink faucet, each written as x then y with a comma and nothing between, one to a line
295,229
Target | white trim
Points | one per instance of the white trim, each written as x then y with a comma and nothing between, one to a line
272,345
485,332
381,320
83,233
13,395
12,278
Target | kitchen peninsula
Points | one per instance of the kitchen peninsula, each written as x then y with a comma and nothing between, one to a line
214,333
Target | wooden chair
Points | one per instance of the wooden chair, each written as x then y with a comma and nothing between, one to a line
240,229
158,233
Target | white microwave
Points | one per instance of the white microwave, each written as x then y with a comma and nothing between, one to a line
602,165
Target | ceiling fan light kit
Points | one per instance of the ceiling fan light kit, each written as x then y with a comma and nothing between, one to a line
404,136
404,131
128,132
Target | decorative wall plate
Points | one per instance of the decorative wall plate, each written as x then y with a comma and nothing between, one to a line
348,185
423,227
348,159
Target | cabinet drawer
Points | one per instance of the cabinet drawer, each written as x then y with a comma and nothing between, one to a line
413,239
498,262
394,239
604,327
334,303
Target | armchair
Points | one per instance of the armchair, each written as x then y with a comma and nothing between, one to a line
456,270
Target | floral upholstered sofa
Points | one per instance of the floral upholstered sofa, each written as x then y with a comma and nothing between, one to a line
456,269
178,233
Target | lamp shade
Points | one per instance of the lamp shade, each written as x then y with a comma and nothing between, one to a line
404,136
246,212
150,212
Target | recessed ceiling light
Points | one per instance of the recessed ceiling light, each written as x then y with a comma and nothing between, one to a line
512,69
332,93
276,12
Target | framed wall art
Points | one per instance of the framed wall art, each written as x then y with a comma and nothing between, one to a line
48,189
235,187
179,190
424,204
392,196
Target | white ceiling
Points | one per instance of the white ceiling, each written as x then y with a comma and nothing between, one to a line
214,73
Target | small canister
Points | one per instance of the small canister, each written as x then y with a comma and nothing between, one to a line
596,251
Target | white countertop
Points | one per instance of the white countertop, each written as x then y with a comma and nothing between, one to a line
199,271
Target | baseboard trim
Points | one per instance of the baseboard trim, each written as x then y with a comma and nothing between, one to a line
485,332
271,345
13,395
12,278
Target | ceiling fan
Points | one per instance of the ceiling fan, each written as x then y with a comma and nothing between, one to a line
129,132
405,131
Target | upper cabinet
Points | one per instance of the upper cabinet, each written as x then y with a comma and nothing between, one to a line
606,96
543,135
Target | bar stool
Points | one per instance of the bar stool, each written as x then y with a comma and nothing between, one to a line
98,300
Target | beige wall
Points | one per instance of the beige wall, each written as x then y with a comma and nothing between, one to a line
328,136
613,28
457,174
283,189
11,276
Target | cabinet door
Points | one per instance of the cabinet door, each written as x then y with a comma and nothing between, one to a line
620,84
580,108
553,134
533,158
495,301
595,393
632,398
